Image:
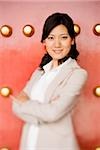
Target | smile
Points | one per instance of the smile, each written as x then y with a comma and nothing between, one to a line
57,51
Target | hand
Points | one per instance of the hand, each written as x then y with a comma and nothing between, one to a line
55,98
22,97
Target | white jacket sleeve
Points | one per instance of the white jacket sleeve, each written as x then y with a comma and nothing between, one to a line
16,107
56,109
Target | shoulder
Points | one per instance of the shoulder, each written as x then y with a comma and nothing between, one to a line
78,70
36,72
78,73
79,76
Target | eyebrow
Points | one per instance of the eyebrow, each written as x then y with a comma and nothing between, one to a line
60,34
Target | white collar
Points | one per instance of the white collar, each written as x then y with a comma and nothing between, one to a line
48,66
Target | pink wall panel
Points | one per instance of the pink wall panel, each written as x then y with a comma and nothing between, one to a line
15,69
20,55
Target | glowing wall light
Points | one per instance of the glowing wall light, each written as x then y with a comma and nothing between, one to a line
96,91
96,29
77,29
6,30
4,148
98,148
28,30
5,91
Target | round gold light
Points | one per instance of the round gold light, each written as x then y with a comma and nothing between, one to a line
98,148
97,91
4,148
96,29
76,29
28,30
6,31
5,91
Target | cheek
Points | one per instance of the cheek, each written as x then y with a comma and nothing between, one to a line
49,47
67,47
67,43
48,50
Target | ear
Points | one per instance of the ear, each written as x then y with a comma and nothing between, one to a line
73,41
44,42
44,45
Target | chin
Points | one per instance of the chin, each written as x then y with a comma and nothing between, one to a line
57,58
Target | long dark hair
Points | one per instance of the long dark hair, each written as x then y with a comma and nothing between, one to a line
51,22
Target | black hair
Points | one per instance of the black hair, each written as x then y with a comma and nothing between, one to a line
51,22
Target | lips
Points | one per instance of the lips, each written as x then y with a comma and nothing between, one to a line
57,51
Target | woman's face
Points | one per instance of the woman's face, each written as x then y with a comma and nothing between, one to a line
58,43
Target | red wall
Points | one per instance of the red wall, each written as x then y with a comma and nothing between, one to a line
20,55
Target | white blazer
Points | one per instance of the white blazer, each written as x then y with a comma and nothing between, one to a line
53,117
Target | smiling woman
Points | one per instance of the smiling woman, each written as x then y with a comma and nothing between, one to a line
47,101
58,43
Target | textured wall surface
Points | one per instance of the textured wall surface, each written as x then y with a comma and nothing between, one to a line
20,55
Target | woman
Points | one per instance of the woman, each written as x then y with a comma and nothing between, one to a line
47,101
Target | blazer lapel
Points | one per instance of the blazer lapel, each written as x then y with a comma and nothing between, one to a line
64,73
34,78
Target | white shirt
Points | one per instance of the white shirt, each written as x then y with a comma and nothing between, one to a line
38,93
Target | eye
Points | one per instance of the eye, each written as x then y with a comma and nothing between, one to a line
64,37
50,37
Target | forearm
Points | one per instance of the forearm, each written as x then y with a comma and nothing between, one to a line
16,107
43,112
56,109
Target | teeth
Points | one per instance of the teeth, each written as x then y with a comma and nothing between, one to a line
57,51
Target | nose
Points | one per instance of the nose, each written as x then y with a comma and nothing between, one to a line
57,43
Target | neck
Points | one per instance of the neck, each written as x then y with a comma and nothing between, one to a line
55,63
